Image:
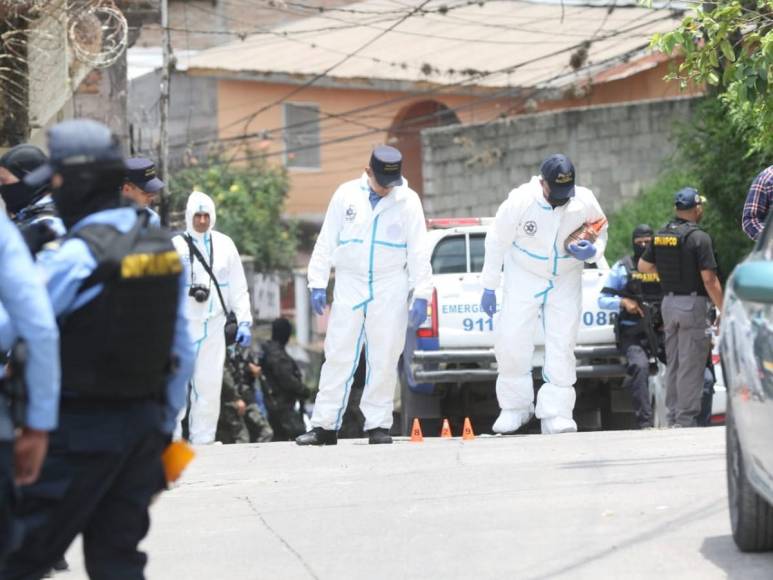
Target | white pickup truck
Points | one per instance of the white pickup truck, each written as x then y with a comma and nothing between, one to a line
448,367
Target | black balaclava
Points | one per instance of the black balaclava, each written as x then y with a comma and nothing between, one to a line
20,161
640,231
87,189
281,329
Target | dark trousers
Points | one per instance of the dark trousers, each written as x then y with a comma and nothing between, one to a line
102,469
638,372
6,499
687,346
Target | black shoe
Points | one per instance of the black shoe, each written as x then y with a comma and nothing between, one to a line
379,436
318,436
61,565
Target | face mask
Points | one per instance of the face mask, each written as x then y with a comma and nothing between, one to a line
638,251
557,202
16,196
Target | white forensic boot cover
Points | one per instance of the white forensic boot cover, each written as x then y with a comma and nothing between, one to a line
206,320
541,281
379,255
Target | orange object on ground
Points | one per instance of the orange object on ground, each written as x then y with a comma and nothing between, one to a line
467,432
416,435
176,457
445,432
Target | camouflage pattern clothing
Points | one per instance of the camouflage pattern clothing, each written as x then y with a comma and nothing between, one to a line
283,388
239,384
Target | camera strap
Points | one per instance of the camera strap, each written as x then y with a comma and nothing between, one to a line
194,251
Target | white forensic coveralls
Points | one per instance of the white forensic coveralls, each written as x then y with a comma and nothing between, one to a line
379,256
541,277
206,320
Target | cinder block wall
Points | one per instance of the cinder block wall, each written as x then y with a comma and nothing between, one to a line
617,150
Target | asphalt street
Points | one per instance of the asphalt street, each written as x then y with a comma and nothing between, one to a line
624,504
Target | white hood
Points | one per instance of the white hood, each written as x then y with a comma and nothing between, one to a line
199,202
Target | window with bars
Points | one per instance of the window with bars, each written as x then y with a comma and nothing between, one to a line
301,134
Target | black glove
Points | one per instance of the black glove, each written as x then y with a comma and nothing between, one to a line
37,235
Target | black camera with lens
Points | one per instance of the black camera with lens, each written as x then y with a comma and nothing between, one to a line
198,292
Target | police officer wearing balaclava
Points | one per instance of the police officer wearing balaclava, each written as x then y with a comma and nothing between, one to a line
117,289
30,207
625,291
683,256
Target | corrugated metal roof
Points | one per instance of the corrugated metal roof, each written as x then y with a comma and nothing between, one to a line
498,43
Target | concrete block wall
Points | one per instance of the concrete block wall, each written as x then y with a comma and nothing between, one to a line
617,150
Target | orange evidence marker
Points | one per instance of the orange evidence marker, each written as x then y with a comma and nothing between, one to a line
445,432
176,458
416,436
467,432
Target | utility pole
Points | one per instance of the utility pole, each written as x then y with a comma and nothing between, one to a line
166,51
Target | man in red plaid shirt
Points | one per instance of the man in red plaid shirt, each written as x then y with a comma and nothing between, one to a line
755,210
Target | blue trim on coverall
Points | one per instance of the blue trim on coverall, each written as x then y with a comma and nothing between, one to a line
528,253
348,384
370,265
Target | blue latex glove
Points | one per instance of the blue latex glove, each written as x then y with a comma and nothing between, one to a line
488,302
243,336
418,313
318,300
582,250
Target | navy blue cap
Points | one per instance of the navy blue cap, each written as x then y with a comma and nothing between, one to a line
76,142
387,165
142,173
558,171
23,159
688,198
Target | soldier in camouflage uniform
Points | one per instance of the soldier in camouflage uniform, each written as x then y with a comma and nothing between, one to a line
241,418
283,384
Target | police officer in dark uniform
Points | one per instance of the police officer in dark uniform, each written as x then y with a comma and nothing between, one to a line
117,290
284,386
683,256
636,296
141,187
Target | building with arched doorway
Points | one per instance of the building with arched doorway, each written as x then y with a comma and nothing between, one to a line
316,95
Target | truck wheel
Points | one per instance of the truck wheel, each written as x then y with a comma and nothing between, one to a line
751,517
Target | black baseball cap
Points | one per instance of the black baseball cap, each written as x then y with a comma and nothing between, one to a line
558,171
688,198
142,173
76,142
387,165
23,159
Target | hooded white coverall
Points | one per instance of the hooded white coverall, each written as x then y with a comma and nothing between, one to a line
206,320
379,256
540,277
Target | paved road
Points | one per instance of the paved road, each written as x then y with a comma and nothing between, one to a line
590,505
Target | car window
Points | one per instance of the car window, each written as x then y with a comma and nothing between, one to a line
477,252
450,256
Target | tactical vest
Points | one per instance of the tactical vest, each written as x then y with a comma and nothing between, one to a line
646,287
676,264
119,345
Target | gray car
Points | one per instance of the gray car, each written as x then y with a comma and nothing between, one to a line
747,358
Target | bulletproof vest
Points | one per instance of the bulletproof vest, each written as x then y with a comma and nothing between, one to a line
676,264
119,345
644,286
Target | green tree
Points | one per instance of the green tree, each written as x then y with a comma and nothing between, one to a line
655,206
728,44
248,201
712,156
